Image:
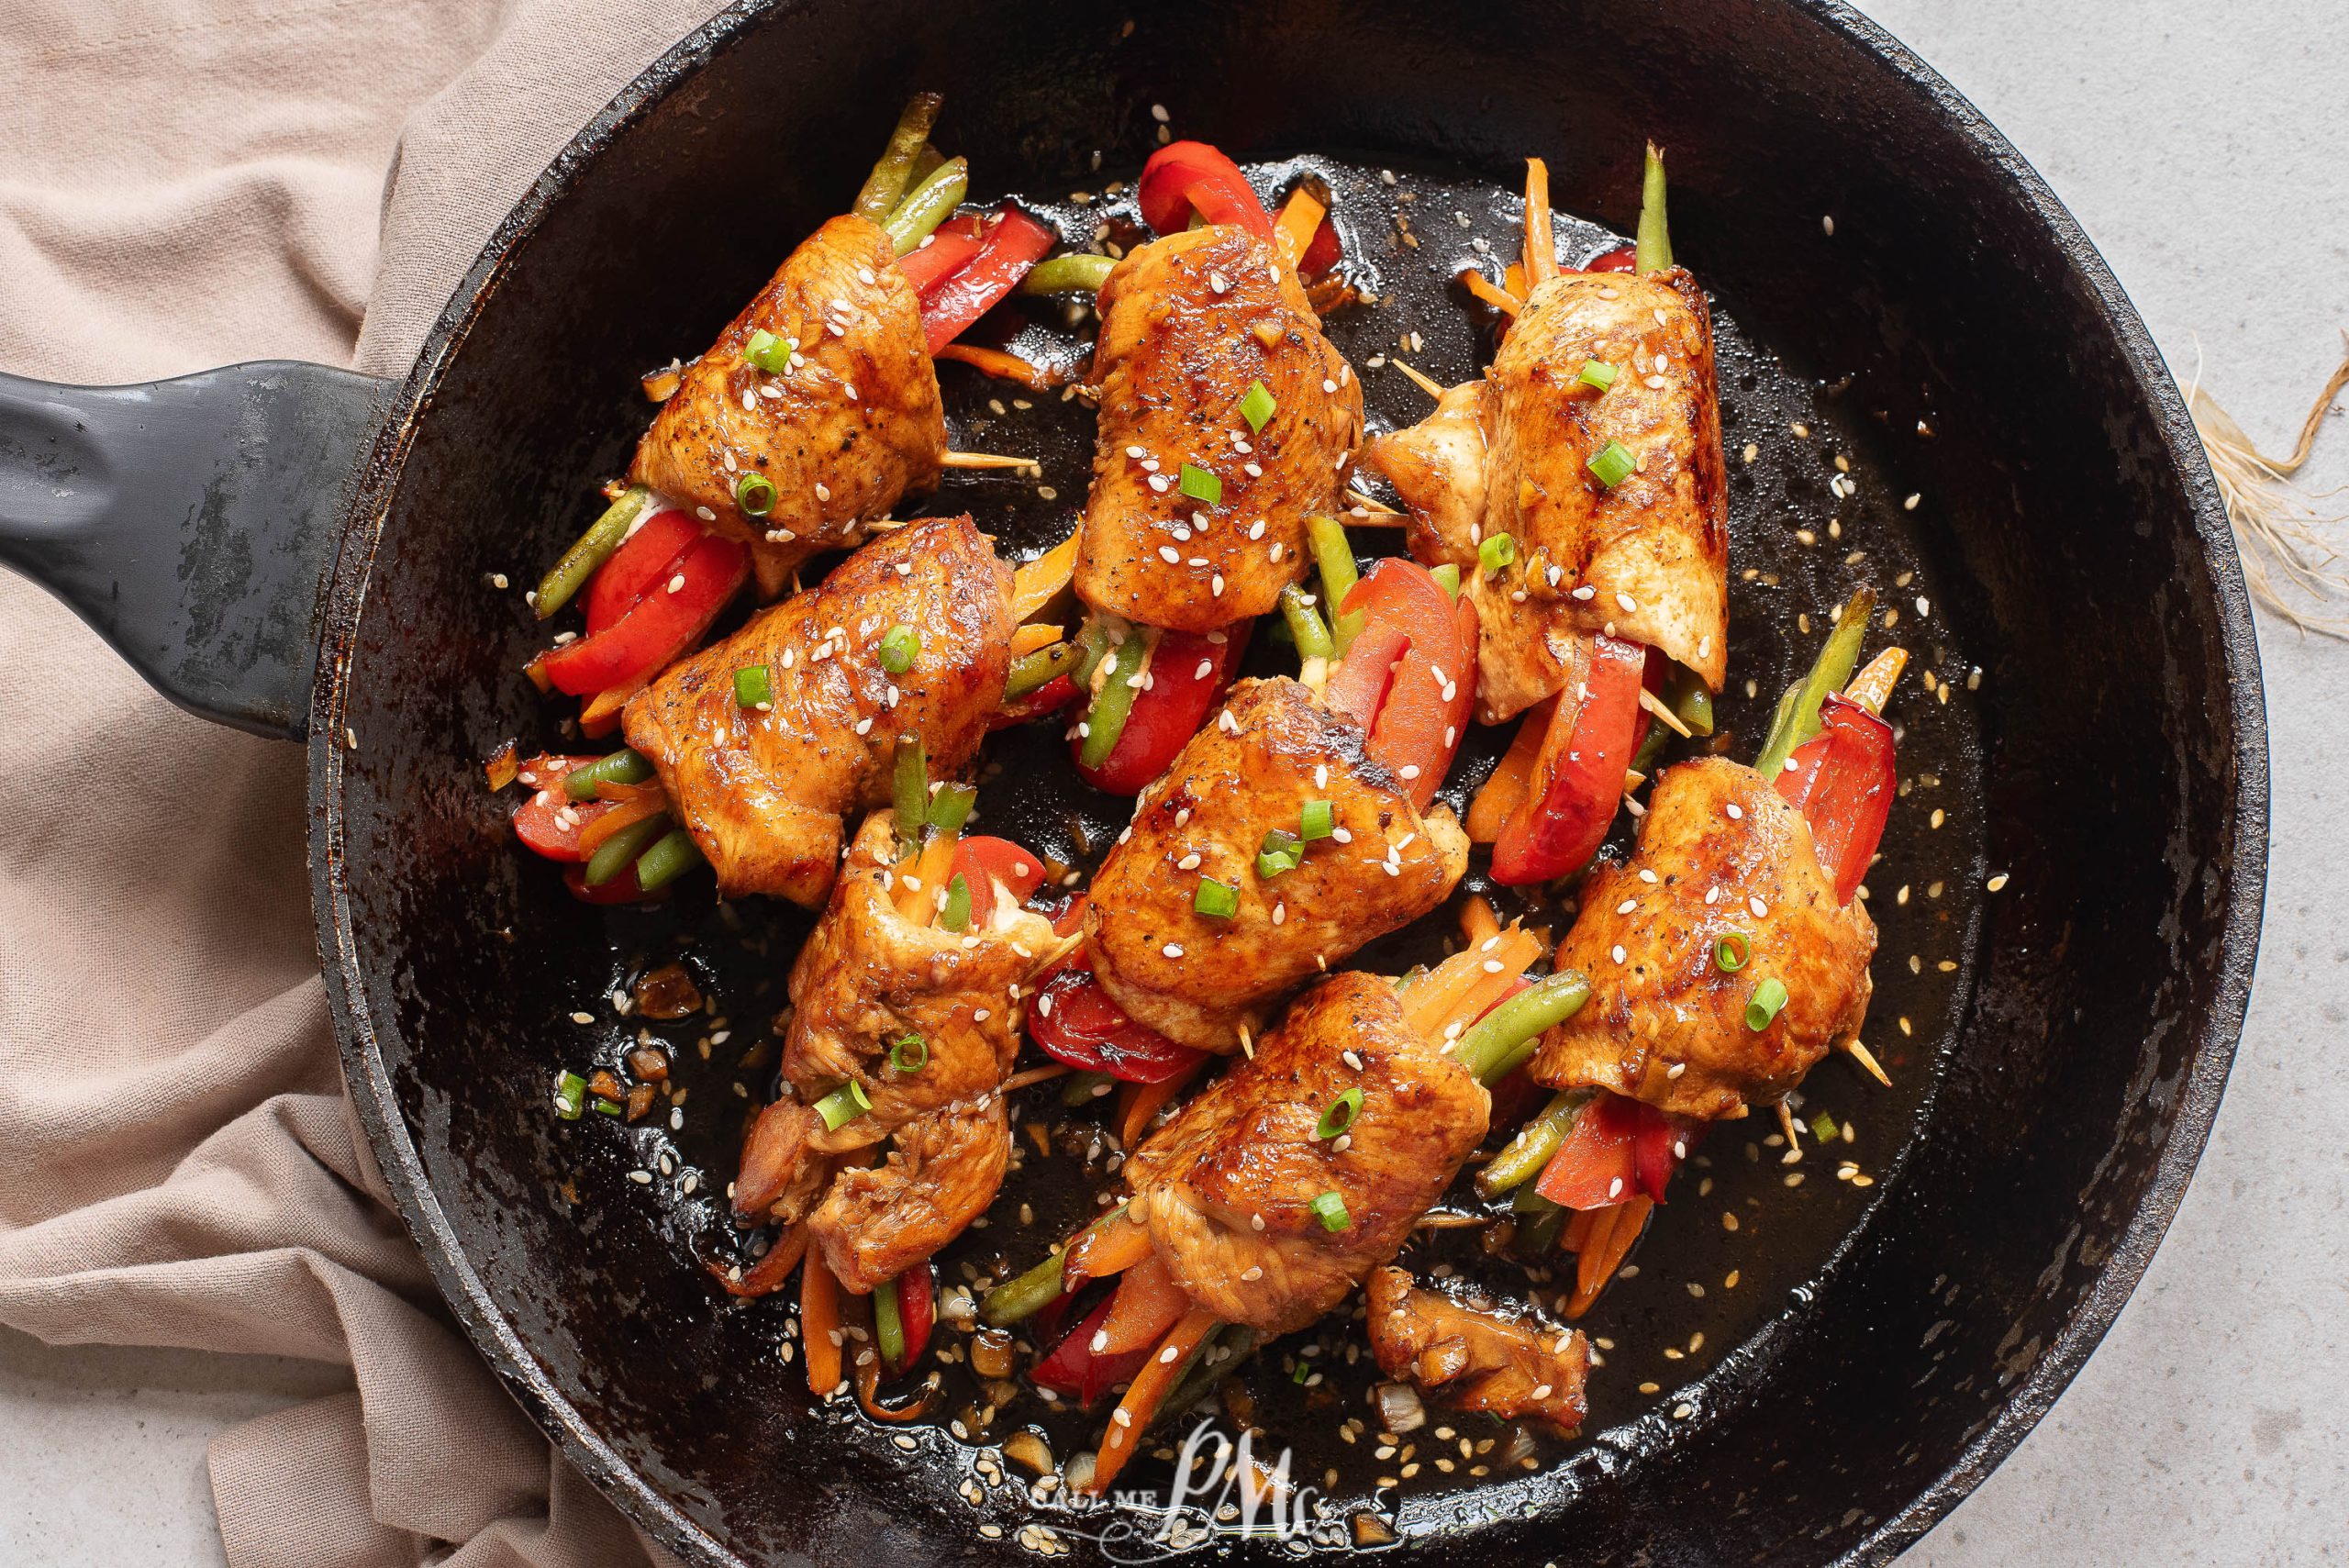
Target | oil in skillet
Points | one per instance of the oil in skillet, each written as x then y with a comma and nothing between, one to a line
1744,1234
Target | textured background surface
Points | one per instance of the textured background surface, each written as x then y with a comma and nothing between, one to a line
2203,156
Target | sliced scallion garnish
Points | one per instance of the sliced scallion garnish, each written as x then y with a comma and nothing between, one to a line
899,646
1258,406
843,1104
1596,374
1316,820
1496,550
1199,484
1340,1116
752,687
1331,1210
1280,854
570,1096
1768,997
769,353
1822,1127
754,496
1613,465
1447,577
1732,952
1215,900
908,1054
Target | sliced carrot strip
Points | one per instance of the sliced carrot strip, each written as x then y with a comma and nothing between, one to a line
766,1276
930,869
1477,920
1144,1101
1034,582
1541,249
1515,952
1301,215
1110,1247
1611,1241
1004,366
1497,800
1491,292
1872,688
1514,279
1130,1419
622,815
820,1324
1576,1235
1147,1304
1028,639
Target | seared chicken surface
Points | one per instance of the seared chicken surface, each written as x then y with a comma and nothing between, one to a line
1438,467
1227,1187
1646,560
941,1171
1511,1363
867,977
1200,980
1665,1023
765,794
849,426
1189,323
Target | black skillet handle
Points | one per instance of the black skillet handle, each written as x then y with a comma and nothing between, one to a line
193,522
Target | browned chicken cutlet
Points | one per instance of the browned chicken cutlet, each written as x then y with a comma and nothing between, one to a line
1227,1187
1189,323
868,977
1665,1024
850,426
941,1171
765,794
1199,980
1507,1362
1647,558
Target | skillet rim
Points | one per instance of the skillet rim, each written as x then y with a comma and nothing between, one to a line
2189,1123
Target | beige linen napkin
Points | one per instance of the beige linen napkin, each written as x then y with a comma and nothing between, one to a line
185,183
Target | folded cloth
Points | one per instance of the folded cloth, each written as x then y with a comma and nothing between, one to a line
186,183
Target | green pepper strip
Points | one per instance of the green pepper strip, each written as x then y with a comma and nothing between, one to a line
1685,690
927,204
595,547
1034,672
614,854
888,1324
1523,1158
1306,626
675,855
1654,247
1507,1035
1204,1369
1114,703
1076,272
951,807
887,184
1334,553
909,794
1024,1297
624,766
1797,717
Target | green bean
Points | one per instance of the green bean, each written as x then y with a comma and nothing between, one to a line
1536,1233
1076,272
927,204
887,184
1797,717
950,807
1653,250
909,794
624,766
614,853
1685,690
1031,1293
1034,672
1522,1158
1305,626
1114,703
675,855
1492,1044
925,165
593,548
888,1325
1084,1088
1206,1368
1334,553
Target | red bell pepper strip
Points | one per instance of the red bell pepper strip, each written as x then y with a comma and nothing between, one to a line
1073,1370
1186,673
1188,176
1425,710
981,861
1578,777
1074,1021
1014,243
645,560
1842,782
1322,255
1365,675
951,245
1618,1149
1657,1149
662,625
548,821
1622,258
1050,697
916,1312
621,889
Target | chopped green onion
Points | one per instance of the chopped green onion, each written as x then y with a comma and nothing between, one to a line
1305,624
1302,1370
950,807
622,767
1596,374
1822,1127
754,496
956,916
670,858
1654,252
1447,577
927,204
899,645
1281,853
909,794
602,1106
1316,820
1340,1116
1199,484
887,182
1495,552
908,1054
1074,274
888,1325
1732,952
764,350
1797,720
1768,997
1034,672
1613,465
614,854
754,686
1215,900
843,1104
1257,406
570,1096
595,547
1331,1210
1105,721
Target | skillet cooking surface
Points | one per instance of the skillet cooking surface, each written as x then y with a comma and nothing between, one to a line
2051,547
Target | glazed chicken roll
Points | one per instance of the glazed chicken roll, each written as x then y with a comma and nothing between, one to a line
1227,419
1262,1217
815,411
765,792
1599,433
1720,856
1316,849
1512,1362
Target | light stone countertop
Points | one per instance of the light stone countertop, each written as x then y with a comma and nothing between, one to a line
2204,148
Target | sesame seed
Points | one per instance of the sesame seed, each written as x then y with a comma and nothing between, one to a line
1170,555
1173,950
1761,910
1736,812
1618,953
1625,907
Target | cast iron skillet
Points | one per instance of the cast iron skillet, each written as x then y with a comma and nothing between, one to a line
1956,331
